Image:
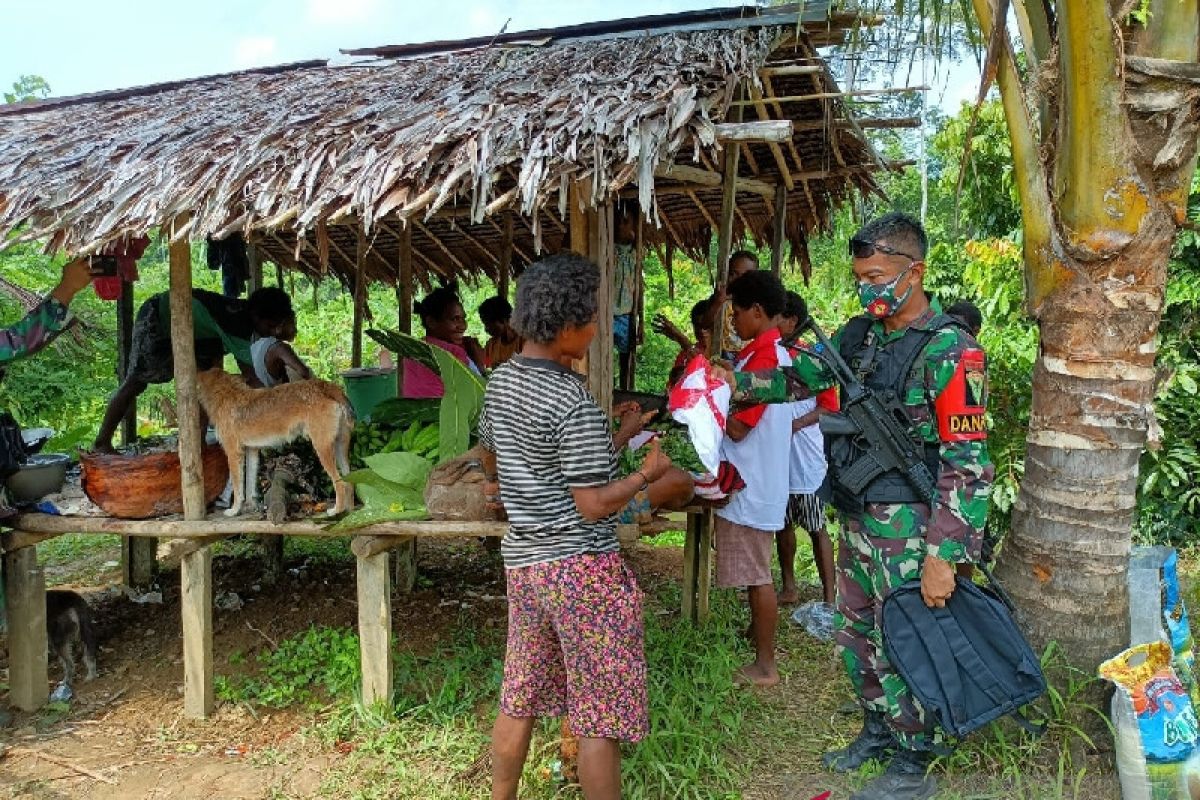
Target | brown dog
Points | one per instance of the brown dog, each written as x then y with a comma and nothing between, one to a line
248,419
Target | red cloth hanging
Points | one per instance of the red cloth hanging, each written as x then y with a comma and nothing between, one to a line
127,253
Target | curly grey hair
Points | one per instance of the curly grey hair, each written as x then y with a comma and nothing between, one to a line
553,293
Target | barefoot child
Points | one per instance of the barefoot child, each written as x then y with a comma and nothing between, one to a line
575,641
758,444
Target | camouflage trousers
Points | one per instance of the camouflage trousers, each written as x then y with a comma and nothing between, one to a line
868,568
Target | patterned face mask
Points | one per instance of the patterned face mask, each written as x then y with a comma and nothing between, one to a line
880,300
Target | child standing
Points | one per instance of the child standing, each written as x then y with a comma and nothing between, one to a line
806,473
758,444
575,638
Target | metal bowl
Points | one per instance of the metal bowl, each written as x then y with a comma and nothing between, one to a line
36,438
43,474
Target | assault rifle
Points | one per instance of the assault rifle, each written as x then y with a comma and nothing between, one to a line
881,430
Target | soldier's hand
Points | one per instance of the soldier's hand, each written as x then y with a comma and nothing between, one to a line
937,581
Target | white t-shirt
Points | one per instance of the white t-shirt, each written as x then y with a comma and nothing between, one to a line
763,460
258,359
808,452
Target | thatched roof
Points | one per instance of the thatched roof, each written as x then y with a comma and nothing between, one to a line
447,140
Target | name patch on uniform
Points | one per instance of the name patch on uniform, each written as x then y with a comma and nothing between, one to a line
961,405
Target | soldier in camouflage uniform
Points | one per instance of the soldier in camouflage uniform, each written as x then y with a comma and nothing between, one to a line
903,344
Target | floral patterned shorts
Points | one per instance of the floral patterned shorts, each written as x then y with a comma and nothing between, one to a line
575,646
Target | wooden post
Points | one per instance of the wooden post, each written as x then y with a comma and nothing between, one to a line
279,275
138,559
579,221
256,267
670,267
404,283
25,599
639,303
506,253
360,264
778,231
196,569
375,628
405,567
729,174
600,354
690,557
704,553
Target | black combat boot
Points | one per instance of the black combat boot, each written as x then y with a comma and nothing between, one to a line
906,778
875,741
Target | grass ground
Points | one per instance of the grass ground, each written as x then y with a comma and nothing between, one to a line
288,666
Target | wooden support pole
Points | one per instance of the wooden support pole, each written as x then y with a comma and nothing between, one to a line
25,600
600,353
506,254
404,284
579,193
360,282
704,553
375,628
196,568
137,553
637,335
778,231
725,235
670,267
690,558
254,256
768,130
404,565
195,579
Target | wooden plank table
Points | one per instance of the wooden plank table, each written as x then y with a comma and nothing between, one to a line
24,586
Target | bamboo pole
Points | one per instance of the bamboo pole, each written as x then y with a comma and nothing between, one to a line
360,282
196,568
404,285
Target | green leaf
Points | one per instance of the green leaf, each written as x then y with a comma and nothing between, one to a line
370,515
460,407
1186,382
406,346
408,470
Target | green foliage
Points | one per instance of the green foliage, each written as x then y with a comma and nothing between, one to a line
392,487
27,87
320,659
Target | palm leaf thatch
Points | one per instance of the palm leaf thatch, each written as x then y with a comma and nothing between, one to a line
299,157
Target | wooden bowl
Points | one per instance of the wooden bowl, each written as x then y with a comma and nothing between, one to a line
141,486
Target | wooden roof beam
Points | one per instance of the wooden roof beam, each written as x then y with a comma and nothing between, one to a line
789,69
709,179
437,241
798,98
776,151
516,247
770,130
849,169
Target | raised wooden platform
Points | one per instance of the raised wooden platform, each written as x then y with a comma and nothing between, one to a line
24,586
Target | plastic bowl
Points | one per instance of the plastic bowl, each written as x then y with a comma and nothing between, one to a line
43,474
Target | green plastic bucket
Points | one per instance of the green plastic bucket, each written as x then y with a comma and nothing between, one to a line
368,387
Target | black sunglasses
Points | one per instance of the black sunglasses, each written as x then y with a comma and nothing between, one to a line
861,248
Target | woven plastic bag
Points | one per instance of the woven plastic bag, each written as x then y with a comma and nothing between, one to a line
1156,607
1155,725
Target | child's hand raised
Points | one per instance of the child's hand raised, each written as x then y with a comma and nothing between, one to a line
656,463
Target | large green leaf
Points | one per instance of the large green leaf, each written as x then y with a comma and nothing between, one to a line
406,469
463,397
460,408
406,346
370,515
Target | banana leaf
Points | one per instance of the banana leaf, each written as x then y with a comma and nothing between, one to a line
406,346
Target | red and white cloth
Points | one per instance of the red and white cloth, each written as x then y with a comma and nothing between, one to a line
701,402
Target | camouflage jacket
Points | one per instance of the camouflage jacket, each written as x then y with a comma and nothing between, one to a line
951,363
35,331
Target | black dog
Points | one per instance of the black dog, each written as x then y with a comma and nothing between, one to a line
69,621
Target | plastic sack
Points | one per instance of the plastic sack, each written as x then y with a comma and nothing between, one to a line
701,402
1155,722
1156,607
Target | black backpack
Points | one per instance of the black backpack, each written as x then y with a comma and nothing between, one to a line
967,663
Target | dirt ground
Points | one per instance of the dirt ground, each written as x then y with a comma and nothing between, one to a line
125,736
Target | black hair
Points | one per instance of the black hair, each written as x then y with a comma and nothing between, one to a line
558,291
738,255
897,229
969,313
271,304
759,288
795,308
438,302
495,309
699,311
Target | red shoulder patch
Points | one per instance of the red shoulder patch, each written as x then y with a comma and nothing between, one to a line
962,404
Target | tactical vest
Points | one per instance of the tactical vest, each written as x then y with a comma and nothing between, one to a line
883,368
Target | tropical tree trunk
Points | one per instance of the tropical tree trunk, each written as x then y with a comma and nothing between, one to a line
1104,174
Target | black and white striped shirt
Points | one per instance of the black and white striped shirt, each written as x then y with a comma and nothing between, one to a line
548,435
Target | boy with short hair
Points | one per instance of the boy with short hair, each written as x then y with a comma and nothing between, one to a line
758,444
